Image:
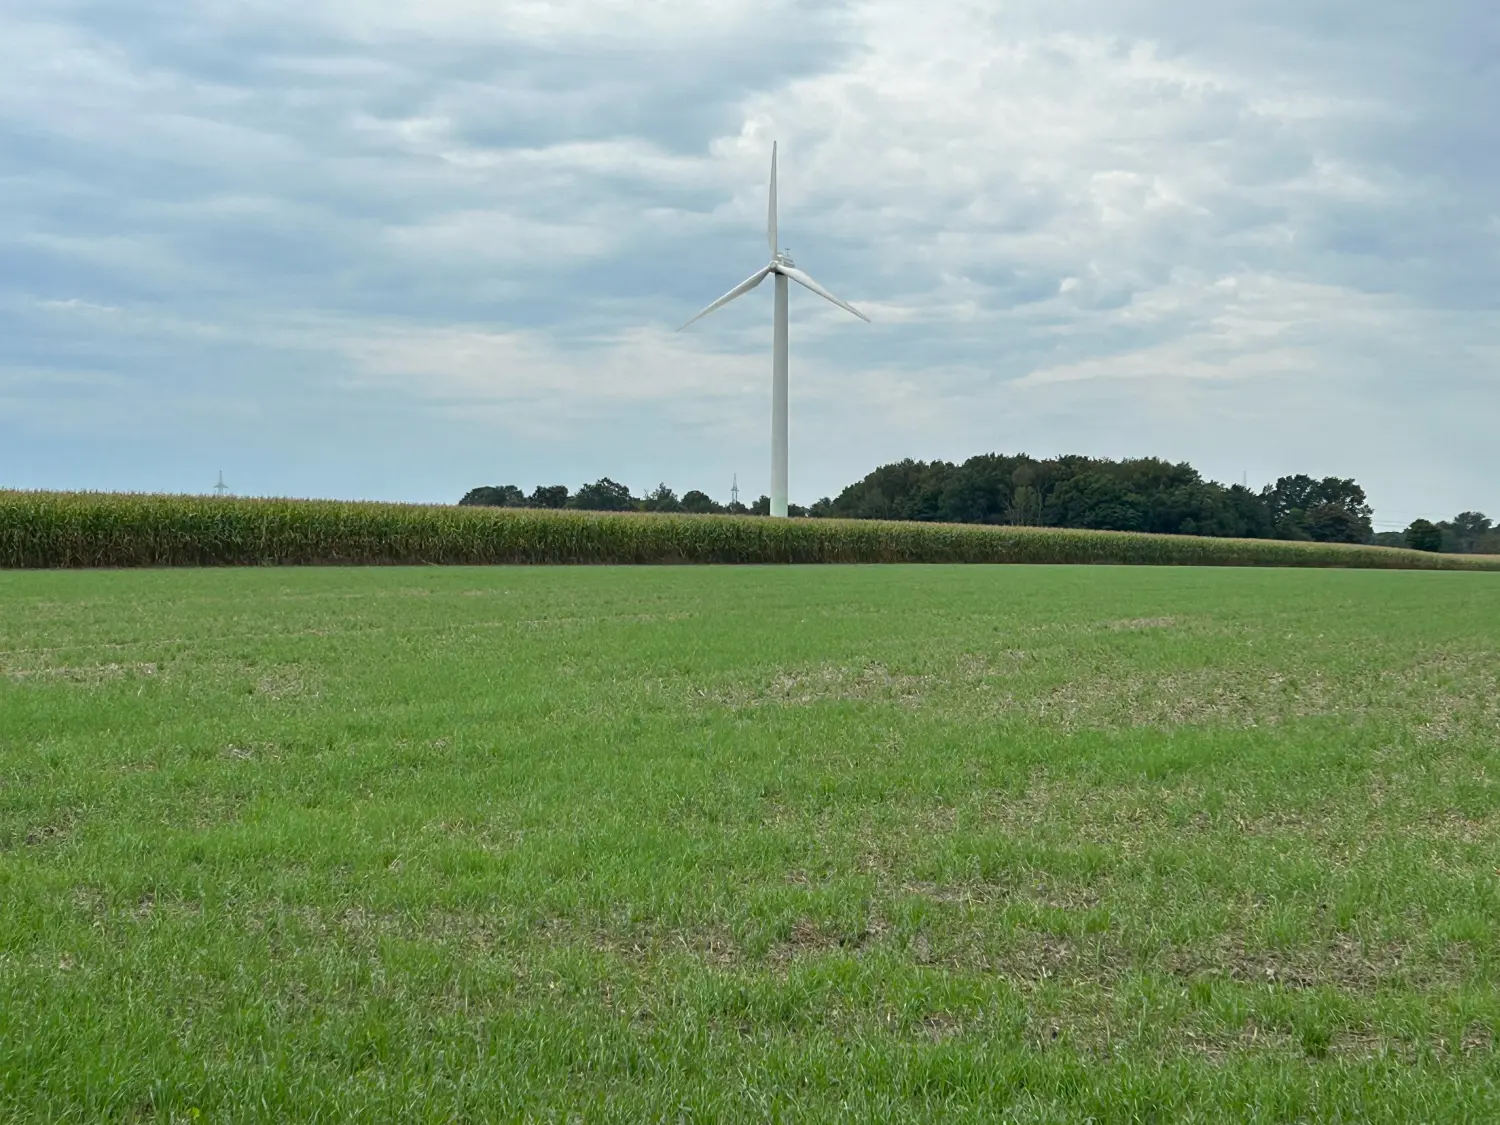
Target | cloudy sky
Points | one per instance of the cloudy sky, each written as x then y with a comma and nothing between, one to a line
336,248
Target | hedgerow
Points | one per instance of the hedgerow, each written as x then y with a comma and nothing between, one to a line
61,530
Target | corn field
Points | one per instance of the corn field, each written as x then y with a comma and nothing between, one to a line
60,530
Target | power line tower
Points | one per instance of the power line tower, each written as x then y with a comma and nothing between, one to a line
734,490
221,487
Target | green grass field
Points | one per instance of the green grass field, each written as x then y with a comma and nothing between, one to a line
826,843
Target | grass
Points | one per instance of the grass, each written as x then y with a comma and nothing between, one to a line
49,530
803,844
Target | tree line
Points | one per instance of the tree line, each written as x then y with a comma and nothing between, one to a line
1135,494
1468,533
606,495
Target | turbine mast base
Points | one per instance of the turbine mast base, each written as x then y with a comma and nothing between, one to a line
778,403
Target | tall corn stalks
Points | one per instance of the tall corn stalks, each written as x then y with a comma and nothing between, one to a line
57,529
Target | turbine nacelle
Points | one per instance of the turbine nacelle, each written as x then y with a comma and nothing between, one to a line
781,263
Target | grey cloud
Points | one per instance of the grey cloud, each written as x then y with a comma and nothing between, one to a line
1073,215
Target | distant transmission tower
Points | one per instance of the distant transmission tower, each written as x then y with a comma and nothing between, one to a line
734,490
221,487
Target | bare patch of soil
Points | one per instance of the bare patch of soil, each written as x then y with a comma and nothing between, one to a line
829,683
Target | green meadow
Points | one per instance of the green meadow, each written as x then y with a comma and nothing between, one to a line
897,843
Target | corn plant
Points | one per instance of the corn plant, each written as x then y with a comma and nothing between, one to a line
59,529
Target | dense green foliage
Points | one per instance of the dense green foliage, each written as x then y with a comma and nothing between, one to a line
1141,495
104,530
1424,535
606,495
1468,533
1147,495
823,844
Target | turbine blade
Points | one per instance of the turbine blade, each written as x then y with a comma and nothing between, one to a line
802,279
738,291
771,212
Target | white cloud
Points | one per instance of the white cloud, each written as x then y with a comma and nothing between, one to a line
1116,227
639,365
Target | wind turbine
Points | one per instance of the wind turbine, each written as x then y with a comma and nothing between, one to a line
783,267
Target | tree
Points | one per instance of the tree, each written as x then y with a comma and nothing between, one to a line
1331,510
1334,523
1146,494
1246,514
977,491
1288,500
1424,535
871,498
1465,531
1025,506
1143,494
1472,523
604,495
699,503
1094,500
549,496
494,496
661,499
1350,497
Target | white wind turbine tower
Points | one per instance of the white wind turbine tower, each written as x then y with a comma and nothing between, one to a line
782,266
